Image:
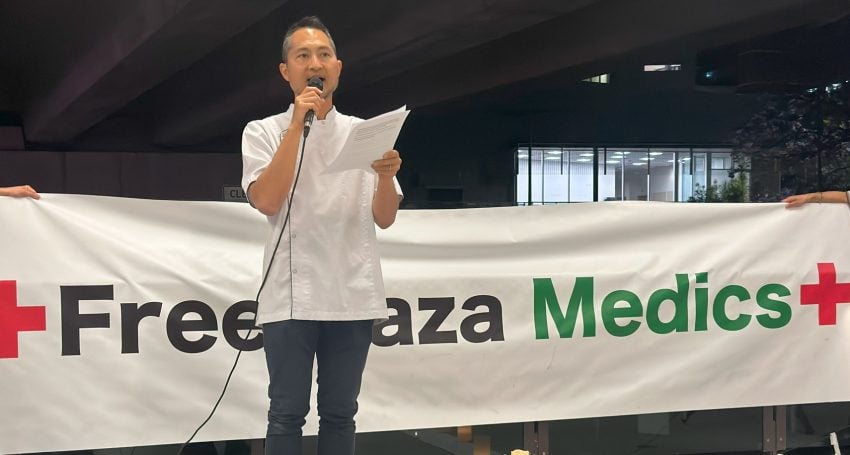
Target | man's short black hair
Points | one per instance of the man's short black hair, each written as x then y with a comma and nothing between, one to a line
306,22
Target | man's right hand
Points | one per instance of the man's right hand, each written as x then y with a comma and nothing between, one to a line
310,99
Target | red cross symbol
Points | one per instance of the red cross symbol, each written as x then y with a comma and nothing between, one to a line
827,294
14,319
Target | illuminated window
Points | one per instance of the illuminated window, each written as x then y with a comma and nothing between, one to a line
561,173
672,67
600,79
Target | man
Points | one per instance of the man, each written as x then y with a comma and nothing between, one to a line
324,288
20,191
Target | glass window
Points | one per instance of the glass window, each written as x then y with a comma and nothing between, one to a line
634,179
662,174
611,169
719,162
581,175
599,79
686,174
622,174
522,173
700,174
670,67
529,175
554,175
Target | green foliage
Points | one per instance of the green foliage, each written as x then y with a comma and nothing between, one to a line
734,190
805,137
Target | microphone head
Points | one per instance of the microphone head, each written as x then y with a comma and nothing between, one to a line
317,82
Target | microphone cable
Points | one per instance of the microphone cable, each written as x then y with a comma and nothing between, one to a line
256,299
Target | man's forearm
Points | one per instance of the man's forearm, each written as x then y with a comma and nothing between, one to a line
385,203
834,196
273,185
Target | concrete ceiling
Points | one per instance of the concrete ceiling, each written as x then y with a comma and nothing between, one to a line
188,74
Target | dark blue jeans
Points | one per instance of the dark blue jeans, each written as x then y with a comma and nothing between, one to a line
340,348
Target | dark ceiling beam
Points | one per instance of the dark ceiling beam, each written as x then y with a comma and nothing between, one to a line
401,36
155,40
604,30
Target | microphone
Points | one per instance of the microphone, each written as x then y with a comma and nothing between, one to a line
317,82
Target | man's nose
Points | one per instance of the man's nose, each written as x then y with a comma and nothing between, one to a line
315,62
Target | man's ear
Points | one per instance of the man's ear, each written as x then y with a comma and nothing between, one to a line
284,71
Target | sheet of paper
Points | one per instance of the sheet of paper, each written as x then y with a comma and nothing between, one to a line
368,141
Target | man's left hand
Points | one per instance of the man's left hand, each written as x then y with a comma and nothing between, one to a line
388,165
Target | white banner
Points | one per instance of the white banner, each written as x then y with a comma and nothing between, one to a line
118,317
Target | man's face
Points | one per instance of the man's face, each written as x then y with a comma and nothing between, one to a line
310,54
